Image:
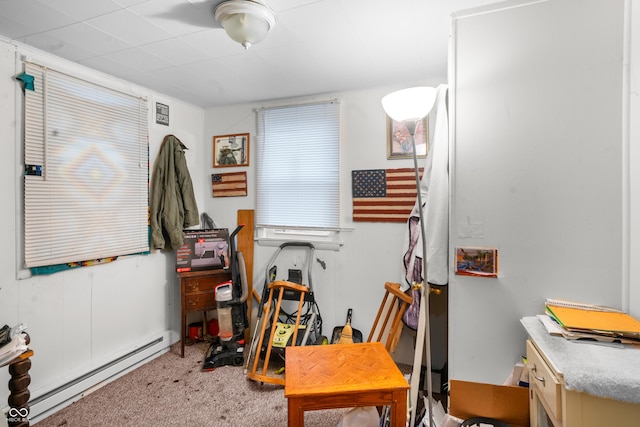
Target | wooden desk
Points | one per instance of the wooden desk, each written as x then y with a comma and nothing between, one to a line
343,376
197,293
563,395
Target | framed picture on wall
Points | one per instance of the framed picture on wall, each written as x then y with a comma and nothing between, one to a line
231,150
481,262
399,139
162,114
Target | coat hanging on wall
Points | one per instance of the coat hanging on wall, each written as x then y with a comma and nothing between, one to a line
173,205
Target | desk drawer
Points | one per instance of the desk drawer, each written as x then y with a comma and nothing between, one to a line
202,284
200,301
543,378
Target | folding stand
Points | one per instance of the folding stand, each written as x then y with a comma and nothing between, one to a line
281,286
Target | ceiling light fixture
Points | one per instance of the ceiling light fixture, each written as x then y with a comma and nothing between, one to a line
245,21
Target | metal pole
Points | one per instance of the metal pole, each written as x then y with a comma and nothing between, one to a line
424,302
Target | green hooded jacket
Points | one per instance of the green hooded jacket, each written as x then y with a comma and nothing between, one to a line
173,204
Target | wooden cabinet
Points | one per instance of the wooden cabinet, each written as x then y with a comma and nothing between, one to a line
197,293
553,362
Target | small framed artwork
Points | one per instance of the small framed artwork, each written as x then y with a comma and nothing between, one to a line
481,262
231,150
399,139
162,114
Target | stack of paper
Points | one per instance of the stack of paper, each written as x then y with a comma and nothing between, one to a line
13,348
13,342
584,321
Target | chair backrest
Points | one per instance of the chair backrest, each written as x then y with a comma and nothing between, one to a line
393,305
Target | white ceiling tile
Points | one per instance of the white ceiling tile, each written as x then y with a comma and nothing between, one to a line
130,3
86,41
129,27
140,60
50,43
175,51
15,30
108,65
212,43
177,48
37,16
177,17
83,9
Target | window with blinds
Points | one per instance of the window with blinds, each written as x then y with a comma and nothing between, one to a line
298,170
86,171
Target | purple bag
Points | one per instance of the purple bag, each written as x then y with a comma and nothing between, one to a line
413,274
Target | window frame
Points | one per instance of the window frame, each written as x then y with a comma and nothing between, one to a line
326,237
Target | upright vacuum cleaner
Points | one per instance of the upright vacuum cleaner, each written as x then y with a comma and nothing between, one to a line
231,297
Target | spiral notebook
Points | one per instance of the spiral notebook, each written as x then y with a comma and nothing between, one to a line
593,319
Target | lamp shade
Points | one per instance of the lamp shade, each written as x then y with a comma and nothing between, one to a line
410,104
245,21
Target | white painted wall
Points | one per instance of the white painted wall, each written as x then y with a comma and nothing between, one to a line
540,155
371,254
81,319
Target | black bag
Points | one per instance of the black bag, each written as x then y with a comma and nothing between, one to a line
476,421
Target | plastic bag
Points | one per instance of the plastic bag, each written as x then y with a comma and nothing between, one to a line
365,416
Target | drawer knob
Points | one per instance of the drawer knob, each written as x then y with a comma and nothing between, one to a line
534,371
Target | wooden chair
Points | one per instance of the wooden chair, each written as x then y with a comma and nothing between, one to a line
393,306
264,374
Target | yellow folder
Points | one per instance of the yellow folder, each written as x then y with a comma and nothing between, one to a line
595,320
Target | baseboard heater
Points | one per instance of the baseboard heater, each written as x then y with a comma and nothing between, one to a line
48,403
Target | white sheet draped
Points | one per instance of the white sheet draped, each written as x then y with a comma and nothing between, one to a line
434,188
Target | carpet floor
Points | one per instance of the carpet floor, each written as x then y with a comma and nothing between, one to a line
172,391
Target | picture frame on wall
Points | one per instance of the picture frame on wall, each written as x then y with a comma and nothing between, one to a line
479,262
162,114
399,139
231,150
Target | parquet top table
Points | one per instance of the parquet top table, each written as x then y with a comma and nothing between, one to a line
343,375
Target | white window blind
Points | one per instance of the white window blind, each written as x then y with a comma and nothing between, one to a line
298,166
91,145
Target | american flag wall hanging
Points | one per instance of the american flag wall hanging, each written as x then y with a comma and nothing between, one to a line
229,184
383,195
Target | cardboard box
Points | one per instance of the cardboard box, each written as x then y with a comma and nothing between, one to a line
203,250
501,402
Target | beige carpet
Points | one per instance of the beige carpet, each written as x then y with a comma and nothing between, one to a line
171,391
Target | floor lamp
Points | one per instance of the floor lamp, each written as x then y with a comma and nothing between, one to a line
409,106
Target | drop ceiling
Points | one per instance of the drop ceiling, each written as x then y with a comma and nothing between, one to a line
175,47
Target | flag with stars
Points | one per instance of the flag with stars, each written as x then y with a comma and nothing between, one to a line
383,195
229,184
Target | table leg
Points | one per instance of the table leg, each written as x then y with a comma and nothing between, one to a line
399,409
295,414
182,333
